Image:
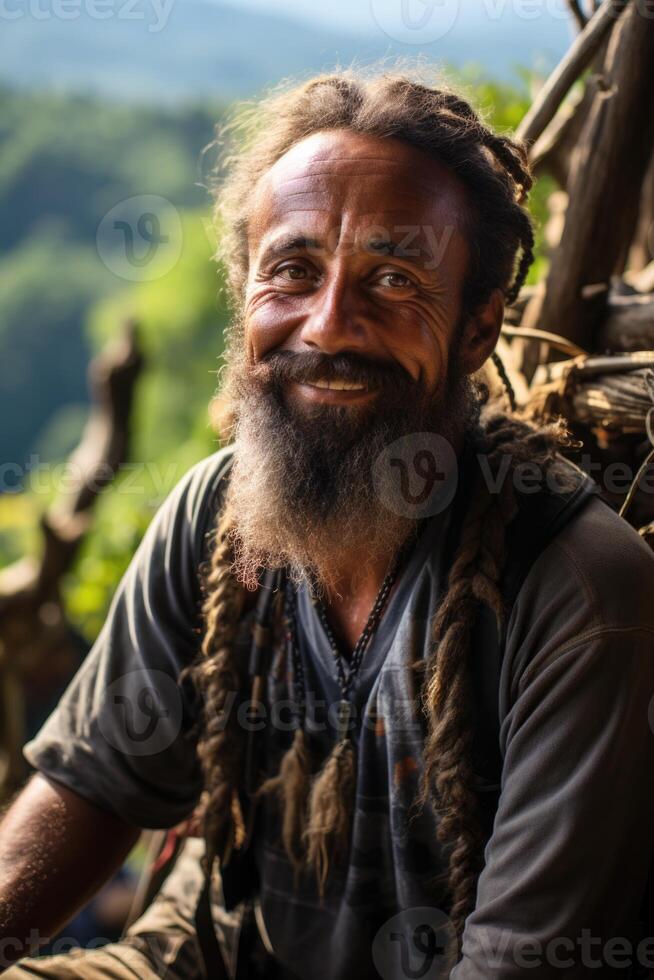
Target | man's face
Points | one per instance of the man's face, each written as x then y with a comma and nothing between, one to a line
353,338
357,246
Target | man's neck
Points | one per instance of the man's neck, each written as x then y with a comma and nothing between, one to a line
349,600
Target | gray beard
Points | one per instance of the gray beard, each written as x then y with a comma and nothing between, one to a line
305,491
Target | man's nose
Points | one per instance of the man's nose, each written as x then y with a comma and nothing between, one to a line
336,322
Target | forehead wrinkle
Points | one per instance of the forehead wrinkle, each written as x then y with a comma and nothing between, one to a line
407,193
415,181
400,220
352,158
433,186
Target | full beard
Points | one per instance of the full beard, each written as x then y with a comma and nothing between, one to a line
302,493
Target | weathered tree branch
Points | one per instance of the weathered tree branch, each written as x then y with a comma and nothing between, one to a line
642,248
604,187
578,14
572,65
35,642
554,151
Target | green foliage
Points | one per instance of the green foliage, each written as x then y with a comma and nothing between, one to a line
74,158
180,326
19,516
180,320
66,161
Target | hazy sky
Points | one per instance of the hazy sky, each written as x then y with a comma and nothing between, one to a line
416,16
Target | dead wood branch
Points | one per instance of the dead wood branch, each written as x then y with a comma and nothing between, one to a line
605,186
578,14
569,69
35,642
642,248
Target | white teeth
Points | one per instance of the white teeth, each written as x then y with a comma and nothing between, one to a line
337,385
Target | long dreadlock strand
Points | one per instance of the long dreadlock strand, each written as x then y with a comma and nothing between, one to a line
331,805
474,578
219,676
291,786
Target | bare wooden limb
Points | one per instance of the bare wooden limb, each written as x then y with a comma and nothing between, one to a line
103,448
554,151
152,841
603,205
642,281
35,642
610,393
642,248
577,13
571,66
551,339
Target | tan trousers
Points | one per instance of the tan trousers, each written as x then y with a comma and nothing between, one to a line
162,943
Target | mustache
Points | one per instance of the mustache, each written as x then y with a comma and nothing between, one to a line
279,367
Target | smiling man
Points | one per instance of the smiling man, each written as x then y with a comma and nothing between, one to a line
440,760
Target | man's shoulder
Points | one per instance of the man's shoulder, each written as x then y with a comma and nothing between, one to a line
597,572
189,511
205,481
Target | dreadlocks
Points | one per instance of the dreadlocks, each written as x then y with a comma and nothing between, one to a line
499,234
475,577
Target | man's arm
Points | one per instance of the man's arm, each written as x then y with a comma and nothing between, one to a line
123,734
567,861
56,851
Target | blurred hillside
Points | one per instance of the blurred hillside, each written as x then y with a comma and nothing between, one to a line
66,162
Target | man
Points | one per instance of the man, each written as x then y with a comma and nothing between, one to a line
368,515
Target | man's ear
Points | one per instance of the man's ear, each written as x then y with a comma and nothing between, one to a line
480,333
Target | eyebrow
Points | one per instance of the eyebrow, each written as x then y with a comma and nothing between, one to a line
386,246
288,244
383,246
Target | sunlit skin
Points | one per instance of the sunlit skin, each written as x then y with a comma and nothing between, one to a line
359,244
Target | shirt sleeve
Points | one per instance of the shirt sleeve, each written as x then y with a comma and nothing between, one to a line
123,734
568,858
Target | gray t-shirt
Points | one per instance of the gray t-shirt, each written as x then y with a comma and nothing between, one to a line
568,856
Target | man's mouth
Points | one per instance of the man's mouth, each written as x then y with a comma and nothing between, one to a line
336,384
331,391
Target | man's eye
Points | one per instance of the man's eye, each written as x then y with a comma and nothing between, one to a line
396,280
292,272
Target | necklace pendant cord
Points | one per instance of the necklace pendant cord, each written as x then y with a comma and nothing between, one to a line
346,678
343,719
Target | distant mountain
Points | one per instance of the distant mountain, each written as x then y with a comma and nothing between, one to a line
165,51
